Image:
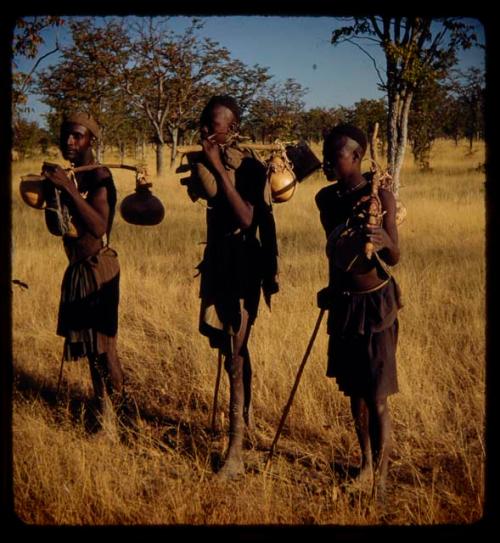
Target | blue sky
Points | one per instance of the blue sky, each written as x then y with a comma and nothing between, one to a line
295,47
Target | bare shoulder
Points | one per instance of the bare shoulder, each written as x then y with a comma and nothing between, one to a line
324,196
102,173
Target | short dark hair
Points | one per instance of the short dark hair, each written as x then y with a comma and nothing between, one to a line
221,100
349,131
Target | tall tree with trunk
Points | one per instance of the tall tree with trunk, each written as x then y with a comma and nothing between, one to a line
471,95
416,49
462,116
169,76
79,81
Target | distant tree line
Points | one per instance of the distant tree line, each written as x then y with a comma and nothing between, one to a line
147,84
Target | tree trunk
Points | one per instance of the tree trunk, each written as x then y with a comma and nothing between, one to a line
392,129
159,146
397,134
402,138
175,136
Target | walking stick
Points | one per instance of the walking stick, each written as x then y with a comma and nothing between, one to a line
60,374
216,392
295,385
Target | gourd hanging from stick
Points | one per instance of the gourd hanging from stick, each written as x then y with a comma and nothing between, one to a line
287,165
140,208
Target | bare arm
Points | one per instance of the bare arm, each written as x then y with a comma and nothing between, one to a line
384,238
242,209
94,212
346,248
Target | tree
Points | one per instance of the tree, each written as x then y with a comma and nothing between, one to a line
28,136
144,79
275,112
313,123
27,40
426,121
471,95
462,114
78,82
366,113
169,77
416,49
242,82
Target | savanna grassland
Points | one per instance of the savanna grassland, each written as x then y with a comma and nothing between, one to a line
159,470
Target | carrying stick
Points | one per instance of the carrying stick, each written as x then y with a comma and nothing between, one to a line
295,385
184,149
216,391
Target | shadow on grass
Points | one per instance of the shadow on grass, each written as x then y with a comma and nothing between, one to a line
77,405
184,436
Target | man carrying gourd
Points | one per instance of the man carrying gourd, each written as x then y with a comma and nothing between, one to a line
82,213
240,257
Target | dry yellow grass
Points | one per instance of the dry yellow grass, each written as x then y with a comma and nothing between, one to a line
159,471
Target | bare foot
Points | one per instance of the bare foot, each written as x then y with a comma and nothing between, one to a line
361,482
365,475
233,468
379,491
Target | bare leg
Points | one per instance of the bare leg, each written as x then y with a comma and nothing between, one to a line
97,383
247,386
107,375
380,434
233,465
361,418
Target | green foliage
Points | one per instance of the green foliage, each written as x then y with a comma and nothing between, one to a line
471,99
30,138
314,122
275,113
428,105
366,113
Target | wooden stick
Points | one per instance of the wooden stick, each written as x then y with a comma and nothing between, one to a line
90,167
216,392
295,385
60,375
257,146
373,144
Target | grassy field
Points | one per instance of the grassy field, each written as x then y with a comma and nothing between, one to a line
159,471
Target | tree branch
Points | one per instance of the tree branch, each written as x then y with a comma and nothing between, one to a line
28,77
370,57
379,33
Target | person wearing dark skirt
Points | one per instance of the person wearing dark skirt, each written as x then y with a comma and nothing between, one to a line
362,298
240,258
88,308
